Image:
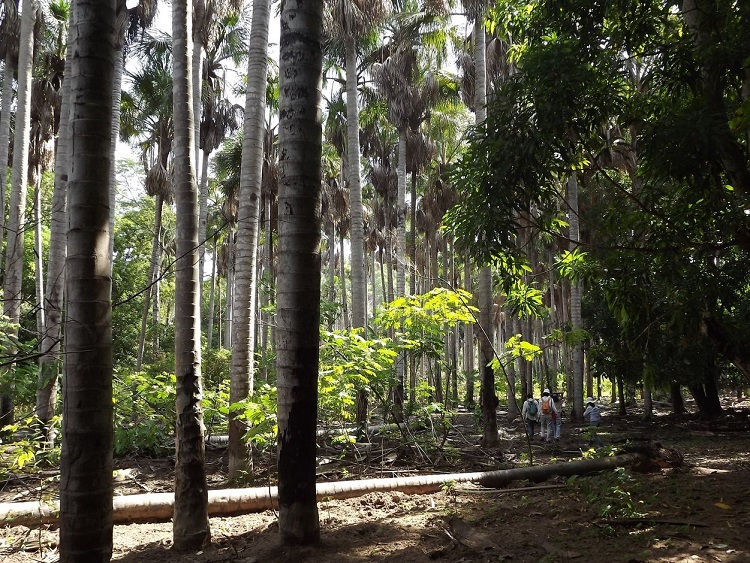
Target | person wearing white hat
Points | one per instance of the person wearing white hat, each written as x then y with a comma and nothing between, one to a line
547,410
594,417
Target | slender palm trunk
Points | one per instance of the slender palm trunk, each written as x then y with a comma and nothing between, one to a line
212,301
38,260
87,434
342,267
5,115
190,529
355,187
489,399
49,347
12,297
575,303
229,293
203,217
153,273
248,229
298,295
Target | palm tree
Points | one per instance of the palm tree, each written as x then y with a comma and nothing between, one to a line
49,345
246,282
147,111
409,93
224,38
190,528
9,45
298,288
16,216
476,11
87,434
351,22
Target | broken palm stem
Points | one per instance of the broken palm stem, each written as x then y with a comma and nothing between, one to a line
158,507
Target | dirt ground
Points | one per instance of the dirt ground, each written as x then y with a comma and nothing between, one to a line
695,512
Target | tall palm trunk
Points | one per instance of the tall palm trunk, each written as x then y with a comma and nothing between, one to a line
190,528
87,433
248,228
17,211
298,294
355,187
38,259
49,347
153,273
5,115
489,399
229,292
575,303
212,301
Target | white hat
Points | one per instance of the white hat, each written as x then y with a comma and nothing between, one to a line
590,400
545,391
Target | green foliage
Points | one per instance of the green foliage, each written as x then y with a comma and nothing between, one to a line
259,413
30,451
349,362
421,320
215,366
612,494
144,412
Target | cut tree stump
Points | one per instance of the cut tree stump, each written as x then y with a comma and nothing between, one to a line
158,507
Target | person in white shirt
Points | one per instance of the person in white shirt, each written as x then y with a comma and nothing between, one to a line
594,417
546,411
558,400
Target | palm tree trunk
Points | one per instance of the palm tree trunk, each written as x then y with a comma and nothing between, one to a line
248,229
229,293
356,227
342,267
87,433
49,347
203,217
152,275
5,115
212,301
38,260
489,399
298,294
468,340
17,211
190,529
575,304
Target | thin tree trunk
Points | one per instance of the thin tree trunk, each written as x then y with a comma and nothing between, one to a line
49,347
356,227
38,260
212,300
229,294
152,275
248,229
12,284
575,304
342,270
190,527
5,118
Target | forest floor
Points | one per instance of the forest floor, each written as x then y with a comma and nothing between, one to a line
695,512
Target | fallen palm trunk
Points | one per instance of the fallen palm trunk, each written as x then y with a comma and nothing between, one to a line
158,507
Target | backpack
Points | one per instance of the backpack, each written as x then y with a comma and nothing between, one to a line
532,410
546,406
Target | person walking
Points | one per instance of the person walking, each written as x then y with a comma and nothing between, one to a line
530,414
557,398
594,417
546,411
